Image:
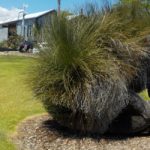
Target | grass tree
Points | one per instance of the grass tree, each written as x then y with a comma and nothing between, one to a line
82,76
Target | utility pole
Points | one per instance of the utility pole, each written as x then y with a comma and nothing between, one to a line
59,3
23,20
23,25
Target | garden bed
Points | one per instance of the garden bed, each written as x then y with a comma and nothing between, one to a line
5,49
43,133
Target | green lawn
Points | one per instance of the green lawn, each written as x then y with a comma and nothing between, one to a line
16,99
144,95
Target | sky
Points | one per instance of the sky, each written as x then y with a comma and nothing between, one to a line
10,8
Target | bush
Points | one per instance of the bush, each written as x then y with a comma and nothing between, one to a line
82,77
14,41
3,44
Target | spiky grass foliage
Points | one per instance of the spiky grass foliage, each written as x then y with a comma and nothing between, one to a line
134,16
82,76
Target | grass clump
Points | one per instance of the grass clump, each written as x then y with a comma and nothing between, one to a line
82,76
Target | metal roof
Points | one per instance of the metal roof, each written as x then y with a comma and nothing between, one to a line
28,16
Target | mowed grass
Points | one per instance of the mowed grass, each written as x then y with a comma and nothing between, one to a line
16,99
144,95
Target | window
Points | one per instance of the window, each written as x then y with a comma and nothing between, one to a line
29,31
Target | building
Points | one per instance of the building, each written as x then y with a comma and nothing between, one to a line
16,25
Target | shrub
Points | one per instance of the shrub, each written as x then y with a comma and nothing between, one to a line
3,44
82,76
14,41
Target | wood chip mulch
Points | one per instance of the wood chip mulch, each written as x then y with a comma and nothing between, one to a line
43,133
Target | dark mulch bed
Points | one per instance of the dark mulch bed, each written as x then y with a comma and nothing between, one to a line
43,133
4,49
